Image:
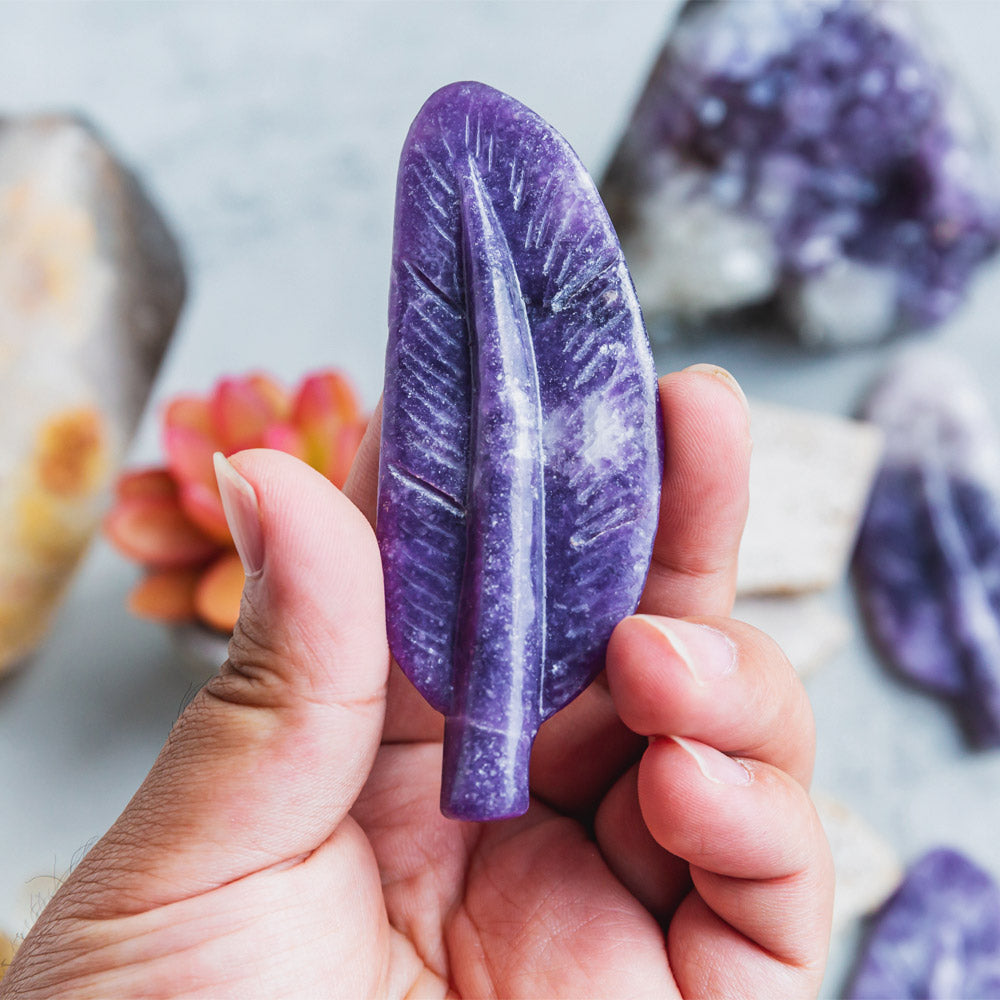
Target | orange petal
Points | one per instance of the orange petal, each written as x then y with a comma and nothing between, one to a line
203,506
166,595
285,437
145,483
154,531
242,410
189,411
342,455
323,395
189,456
275,395
217,598
324,404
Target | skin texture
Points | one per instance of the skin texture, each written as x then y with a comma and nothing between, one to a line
288,841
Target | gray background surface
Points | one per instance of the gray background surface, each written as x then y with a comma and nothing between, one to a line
269,133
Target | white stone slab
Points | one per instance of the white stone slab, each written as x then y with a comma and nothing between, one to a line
807,627
868,869
810,476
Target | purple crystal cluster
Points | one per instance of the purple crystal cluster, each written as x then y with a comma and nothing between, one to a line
521,453
808,155
928,554
938,937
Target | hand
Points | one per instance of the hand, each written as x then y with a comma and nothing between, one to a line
288,841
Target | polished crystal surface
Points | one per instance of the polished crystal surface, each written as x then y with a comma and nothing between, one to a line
928,557
521,456
808,155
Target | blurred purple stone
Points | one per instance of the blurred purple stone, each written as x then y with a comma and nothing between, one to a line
928,555
810,156
938,937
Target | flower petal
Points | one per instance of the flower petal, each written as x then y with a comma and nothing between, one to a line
243,408
166,595
324,404
324,394
145,483
285,437
274,394
189,411
155,531
189,455
217,598
347,440
203,505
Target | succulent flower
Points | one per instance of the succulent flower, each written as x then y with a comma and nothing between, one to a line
170,519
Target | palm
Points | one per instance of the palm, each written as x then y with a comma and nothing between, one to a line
458,896
279,847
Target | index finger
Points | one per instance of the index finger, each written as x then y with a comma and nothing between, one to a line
705,496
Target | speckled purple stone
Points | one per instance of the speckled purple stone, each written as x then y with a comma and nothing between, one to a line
938,937
928,555
521,453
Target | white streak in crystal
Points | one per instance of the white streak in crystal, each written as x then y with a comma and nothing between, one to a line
582,280
436,173
435,496
432,199
571,256
555,242
446,144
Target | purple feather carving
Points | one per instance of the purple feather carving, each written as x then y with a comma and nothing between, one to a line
521,442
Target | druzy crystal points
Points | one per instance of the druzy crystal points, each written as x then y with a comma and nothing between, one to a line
806,154
928,556
521,455
938,937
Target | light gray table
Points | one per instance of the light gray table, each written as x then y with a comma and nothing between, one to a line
270,134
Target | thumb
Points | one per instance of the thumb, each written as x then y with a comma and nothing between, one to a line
269,757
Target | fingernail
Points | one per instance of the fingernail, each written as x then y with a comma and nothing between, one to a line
242,514
707,653
713,764
725,377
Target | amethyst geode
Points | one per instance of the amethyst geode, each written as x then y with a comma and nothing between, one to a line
809,156
928,555
521,456
938,937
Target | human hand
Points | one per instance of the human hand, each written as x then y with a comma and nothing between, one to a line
288,840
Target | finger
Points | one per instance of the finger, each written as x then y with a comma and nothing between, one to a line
362,481
271,754
659,880
703,508
703,505
715,680
760,866
580,752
